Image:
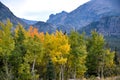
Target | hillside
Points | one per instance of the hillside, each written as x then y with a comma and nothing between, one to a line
45,27
108,26
89,12
30,22
5,14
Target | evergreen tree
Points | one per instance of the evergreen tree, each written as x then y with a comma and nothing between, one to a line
116,58
50,70
16,58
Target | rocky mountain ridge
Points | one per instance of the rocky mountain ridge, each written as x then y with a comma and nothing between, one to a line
108,26
5,14
89,12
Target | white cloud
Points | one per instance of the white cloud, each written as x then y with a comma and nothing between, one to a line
41,9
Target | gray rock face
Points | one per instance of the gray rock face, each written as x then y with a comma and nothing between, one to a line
89,12
59,17
108,26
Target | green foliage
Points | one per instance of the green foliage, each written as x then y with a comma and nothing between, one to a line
34,51
95,52
6,47
98,57
31,55
16,58
78,54
6,40
24,72
50,74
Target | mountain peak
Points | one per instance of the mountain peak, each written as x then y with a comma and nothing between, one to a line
5,14
60,16
2,6
0,3
89,12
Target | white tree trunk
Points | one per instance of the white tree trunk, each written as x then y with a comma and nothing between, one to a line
33,69
8,75
61,76
75,72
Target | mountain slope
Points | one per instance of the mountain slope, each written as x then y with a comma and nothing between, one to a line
87,13
108,26
30,22
59,17
45,27
5,14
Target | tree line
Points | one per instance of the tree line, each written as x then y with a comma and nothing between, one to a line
32,55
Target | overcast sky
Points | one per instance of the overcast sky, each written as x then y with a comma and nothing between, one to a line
41,9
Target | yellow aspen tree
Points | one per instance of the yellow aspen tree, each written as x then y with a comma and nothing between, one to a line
34,49
6,46
57,47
